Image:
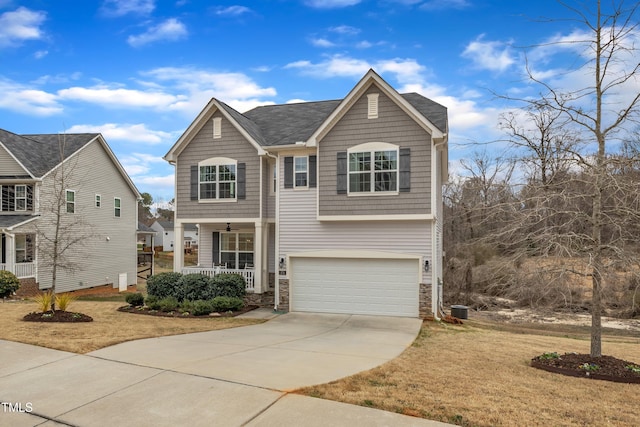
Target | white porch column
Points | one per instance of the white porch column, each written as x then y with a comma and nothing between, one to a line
178,247
258,257
10,255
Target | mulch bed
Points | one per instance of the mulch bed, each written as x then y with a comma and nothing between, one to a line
572,364
57,316
149,312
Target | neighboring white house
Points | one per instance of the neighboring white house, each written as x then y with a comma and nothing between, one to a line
97,192
335,205
165,236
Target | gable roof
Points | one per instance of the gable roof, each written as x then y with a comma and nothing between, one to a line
286,124
169,225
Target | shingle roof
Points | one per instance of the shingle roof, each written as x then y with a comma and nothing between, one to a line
287,124
41,153
11,220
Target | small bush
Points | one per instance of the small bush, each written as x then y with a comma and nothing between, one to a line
163,285
44,301
193,287
9,283
202,308
152,302
168,304
63,300
221,304
134,300
229,285
186,307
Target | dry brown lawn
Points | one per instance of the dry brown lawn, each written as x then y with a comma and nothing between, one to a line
478,374
109,326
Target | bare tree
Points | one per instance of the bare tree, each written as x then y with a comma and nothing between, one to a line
601,219
62,230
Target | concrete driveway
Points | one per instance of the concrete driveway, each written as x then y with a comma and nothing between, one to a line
233,377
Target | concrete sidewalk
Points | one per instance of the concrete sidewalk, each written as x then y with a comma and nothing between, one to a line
233,377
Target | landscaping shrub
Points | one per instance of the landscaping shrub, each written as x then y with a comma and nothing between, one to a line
152,302
186,307
44,301
168,304
9,283
229,285
192,287
63,300
135,300
221,304
164,285
202,307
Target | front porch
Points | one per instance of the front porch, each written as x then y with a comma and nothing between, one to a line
21,270
17,254
239,247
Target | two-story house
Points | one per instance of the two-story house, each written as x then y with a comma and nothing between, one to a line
336,204
98,211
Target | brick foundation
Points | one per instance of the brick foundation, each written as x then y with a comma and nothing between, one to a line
424,306
28,288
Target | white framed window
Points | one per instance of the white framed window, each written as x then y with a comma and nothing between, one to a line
24,247
117,207
373,168
217,179
21,197
301,172
274,177
71,201
236,250
98,201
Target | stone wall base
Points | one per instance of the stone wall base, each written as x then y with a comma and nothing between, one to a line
424,306
283,304
264,299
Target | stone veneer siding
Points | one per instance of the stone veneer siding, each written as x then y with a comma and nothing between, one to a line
283,304
425,300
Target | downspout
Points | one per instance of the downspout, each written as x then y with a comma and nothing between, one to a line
437,305
276,296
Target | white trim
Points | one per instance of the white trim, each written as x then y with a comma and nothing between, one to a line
217,162
353,253
372,105
119,208
217,127
306,171
217,220
15,197
66,200
395,217
371,148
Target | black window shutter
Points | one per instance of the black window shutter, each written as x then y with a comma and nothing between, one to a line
194,182
242,181
288,172
341,172
312,172
405,170
216,247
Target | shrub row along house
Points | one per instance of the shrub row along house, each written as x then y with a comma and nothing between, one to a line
332,206
97,201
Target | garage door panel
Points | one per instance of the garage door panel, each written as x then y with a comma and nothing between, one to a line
356,286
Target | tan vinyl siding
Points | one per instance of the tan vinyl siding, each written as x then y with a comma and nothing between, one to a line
8,165
392,126
300,231
233,145
99,261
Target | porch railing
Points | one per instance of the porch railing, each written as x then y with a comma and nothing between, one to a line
21,269
248,273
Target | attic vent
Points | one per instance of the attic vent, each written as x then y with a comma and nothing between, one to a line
217,127
373,106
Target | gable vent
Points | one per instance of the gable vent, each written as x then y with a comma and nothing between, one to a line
373,106
217,127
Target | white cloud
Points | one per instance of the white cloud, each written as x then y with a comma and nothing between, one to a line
125,7
40,54
26,100
120,97
489,55
320,42
232,10
135,133
345,29
331,4
169,30
20,25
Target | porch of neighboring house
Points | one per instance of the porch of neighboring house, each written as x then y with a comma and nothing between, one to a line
240,248
17,254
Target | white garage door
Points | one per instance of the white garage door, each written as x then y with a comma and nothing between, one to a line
387,287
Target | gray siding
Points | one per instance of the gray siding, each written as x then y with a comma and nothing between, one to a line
300,231
268,198
392,126
203,146
99,261
8,166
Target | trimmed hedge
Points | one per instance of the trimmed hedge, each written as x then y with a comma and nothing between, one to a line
221,304
193,287
135,300
9,283
164,285
229,285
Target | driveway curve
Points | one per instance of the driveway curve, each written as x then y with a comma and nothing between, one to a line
287,352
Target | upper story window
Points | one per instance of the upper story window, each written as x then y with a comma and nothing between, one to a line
71,201
301,171
217,179
16,198
21,197
373,168
117,207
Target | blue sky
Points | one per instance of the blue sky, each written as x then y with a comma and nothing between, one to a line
139,71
